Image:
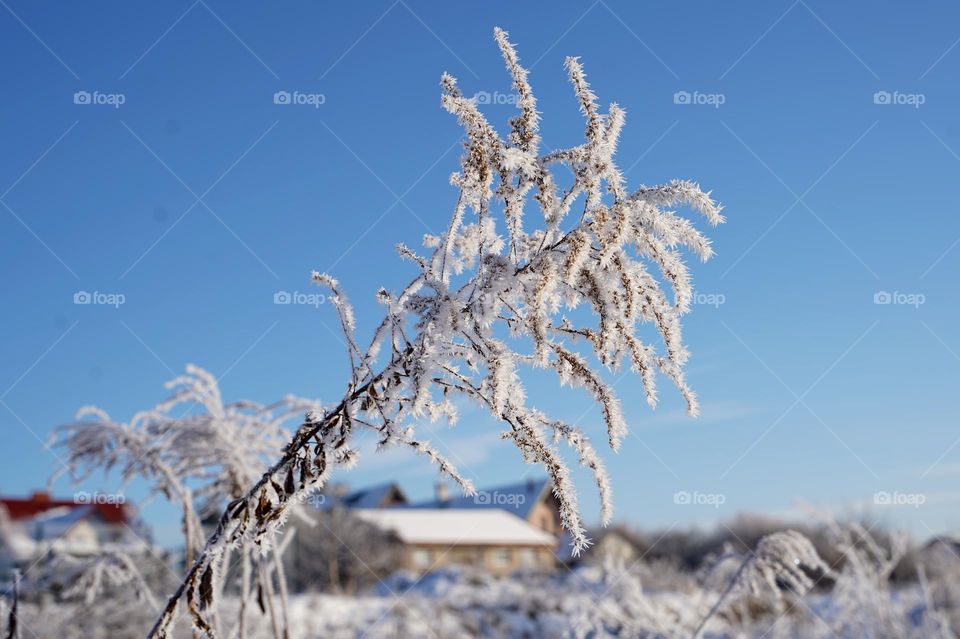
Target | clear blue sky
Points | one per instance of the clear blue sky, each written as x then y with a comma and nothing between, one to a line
811,391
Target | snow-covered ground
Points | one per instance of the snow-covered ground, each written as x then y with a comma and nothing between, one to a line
596,601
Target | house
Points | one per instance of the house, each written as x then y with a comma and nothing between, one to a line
493,539
84,526
610,544
532,501
499,529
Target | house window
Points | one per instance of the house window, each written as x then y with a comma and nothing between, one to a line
502,557
421,558
528,558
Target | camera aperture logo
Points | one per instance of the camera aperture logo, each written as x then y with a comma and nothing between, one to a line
485,97
297,298
99,298
498,498
896,298
696,498
897,98
696,98
96,98
884,498
298,98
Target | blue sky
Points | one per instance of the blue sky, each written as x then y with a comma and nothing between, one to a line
828,130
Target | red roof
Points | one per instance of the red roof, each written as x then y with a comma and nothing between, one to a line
40,502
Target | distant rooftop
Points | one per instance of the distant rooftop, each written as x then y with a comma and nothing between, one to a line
18,508
378,496
374,496
457,527
516,498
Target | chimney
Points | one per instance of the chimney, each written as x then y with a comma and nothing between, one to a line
442,493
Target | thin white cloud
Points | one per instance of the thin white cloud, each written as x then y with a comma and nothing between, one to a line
710,413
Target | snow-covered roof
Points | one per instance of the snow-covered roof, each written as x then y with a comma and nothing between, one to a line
487,527
516,498
374,496
64,516
379,496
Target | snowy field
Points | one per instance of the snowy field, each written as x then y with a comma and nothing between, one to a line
599,601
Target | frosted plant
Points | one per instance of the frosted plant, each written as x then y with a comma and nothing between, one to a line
210,455
568,290
196,451
781,561
95,442
224,446
863,594
108,570
586,603
101,596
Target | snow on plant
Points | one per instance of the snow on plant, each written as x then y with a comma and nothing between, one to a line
196,451
487,301
200,460
862,595
782,561
100,573
585,602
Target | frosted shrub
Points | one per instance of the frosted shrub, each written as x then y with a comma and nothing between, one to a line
862,600
782,562
198,452
566,289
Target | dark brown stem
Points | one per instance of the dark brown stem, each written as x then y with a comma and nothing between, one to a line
302,438
12,630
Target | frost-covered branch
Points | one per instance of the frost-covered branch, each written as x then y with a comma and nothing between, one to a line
552,291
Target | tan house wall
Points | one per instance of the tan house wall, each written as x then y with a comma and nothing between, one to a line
498,560
545,515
